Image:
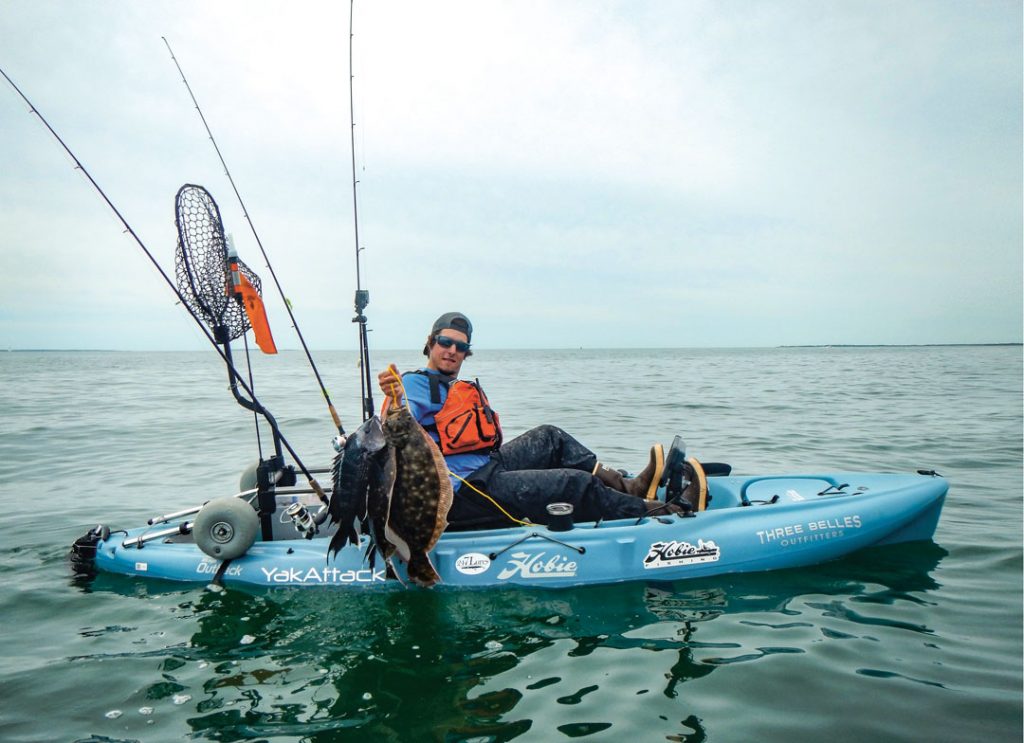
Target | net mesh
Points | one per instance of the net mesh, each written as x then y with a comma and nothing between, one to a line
200,263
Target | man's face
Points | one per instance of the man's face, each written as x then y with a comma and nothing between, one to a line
447,360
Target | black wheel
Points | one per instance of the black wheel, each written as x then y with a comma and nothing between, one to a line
225,528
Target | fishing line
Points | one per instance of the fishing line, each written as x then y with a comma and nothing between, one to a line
252,227
245,344
232,372
252,386
362,297
494,503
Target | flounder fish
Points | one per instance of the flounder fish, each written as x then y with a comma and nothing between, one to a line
422,494
359,479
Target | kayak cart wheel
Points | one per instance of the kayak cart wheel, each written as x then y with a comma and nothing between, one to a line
225,528
248,479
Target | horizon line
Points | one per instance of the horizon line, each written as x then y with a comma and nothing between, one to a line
553,348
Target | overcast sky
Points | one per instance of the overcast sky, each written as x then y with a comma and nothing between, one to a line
597,174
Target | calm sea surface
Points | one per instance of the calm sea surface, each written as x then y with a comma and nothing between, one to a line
918,642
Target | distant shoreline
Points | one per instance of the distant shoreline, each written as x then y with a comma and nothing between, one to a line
898,345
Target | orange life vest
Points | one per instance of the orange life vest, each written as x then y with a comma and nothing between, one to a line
466,422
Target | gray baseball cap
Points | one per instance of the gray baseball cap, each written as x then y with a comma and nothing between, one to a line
453,321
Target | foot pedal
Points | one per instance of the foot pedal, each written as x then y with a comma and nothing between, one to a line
684,479
673,460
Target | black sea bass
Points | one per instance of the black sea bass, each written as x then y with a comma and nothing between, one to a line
421,497
362,479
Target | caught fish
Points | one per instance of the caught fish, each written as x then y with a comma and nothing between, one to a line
378,505
355,468
422,494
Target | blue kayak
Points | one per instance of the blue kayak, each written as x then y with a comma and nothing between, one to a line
752,523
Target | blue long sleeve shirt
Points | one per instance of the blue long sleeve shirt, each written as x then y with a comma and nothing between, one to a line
417,392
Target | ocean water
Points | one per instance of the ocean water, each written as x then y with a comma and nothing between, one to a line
918,642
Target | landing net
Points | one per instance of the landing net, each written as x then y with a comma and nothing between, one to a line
201,263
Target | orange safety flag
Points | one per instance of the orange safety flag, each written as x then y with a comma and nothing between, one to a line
257,314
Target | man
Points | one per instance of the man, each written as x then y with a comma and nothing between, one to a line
497,483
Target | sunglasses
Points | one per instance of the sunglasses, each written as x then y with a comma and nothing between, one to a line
445,342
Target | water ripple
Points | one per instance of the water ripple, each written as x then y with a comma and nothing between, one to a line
118,659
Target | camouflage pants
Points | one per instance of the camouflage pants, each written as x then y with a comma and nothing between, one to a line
544,465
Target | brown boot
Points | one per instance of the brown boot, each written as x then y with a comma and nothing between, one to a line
644,485
696,493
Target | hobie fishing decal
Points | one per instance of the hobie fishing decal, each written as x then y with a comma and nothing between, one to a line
538,565
673,553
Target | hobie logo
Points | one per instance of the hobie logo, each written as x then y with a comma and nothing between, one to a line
473,563
538,565
668,554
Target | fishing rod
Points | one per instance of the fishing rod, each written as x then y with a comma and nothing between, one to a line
252,227
362,297
233,374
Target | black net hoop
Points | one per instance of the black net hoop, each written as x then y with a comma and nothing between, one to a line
201,266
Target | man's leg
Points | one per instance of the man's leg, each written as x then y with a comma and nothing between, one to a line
543,448
549,447
528,492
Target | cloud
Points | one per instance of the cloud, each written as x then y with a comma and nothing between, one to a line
719,173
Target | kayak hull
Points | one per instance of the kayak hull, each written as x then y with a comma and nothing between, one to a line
752,524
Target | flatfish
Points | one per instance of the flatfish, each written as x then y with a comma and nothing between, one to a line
356,473
421,497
